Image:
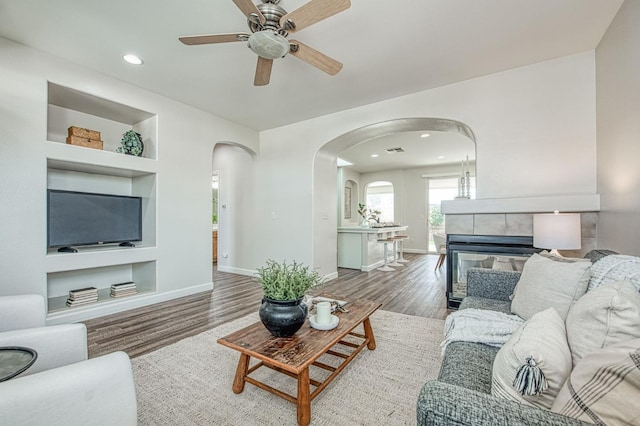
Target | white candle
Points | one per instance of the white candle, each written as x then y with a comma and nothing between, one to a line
323,313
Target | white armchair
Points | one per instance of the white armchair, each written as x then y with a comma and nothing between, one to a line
22,323
62,387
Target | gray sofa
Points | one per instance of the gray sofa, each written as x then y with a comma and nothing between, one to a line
462,393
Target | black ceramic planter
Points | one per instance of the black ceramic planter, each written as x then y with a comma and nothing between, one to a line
283,317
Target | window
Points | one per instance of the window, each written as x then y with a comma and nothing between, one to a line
380,198
445,188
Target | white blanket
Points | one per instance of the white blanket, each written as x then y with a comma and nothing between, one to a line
479,326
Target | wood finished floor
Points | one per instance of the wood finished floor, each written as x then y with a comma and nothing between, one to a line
414,289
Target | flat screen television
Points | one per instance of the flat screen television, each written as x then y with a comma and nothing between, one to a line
83,218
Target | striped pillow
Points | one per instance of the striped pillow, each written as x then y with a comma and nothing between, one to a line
604,388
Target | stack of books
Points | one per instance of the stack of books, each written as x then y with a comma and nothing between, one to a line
82,296
123,289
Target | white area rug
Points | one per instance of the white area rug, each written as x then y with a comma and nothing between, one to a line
189,382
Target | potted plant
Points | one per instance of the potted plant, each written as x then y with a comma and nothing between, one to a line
368,215
282,311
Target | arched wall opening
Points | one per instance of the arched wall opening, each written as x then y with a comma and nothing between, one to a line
326,174
234,166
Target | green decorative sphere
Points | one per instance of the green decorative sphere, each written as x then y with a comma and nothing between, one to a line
131,144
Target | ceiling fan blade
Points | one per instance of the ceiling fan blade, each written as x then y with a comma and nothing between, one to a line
263,72
247,7
312,12
213,38
315,58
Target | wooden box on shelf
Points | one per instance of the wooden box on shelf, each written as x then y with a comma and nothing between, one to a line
84,137
84,133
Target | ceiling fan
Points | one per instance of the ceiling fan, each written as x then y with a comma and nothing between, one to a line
270,25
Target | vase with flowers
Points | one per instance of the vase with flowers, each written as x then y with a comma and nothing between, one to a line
368,215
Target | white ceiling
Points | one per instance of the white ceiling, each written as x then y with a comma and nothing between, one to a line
388,48
438,148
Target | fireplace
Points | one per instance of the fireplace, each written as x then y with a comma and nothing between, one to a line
503,252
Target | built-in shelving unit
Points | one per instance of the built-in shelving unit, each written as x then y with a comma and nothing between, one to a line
77,168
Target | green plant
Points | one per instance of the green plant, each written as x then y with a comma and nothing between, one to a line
368,213
435,216
280,281
214,218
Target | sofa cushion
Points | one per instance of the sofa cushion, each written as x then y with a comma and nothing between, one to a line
604,388
468,365
605,316
547,282
543,340
473,302
614,268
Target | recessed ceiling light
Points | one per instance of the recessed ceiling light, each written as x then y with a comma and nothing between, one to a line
440,157
132,59
374,155
425,135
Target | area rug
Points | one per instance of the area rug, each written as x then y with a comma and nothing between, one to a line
189,382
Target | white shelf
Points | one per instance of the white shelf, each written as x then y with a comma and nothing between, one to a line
61,156
86,103
59,304
68,107
87,258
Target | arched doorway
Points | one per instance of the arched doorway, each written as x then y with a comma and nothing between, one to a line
325,176
233,165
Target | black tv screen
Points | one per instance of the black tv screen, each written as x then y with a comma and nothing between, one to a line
82,218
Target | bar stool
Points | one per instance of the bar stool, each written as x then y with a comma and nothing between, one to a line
385,267
395,252
401,239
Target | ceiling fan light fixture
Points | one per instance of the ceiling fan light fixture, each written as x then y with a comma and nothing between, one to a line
268,44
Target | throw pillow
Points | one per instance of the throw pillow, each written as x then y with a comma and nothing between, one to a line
605,316
604,388
613,268
537,355
546,283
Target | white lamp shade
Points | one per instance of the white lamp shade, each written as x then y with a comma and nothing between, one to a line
559,231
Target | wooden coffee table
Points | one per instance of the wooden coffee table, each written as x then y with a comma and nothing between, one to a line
294,355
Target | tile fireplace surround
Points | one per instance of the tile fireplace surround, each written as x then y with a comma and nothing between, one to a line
517,224
514,216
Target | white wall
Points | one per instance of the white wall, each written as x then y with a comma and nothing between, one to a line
618,111
534,128
186,137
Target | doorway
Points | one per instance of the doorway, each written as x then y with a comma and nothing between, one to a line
215,187
439,189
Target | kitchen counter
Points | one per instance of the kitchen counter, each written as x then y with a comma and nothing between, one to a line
358,247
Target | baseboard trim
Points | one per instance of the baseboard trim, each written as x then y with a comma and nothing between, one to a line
415,251
238,271
331,276
250,273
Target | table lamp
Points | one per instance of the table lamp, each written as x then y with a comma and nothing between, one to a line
557,231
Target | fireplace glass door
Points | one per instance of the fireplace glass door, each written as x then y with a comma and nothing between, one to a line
507,253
